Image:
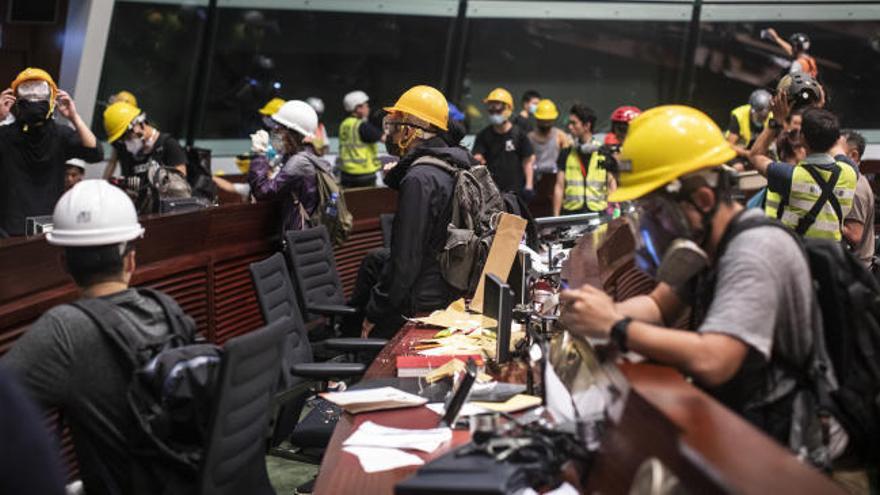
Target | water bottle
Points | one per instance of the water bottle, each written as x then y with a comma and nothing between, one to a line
331,209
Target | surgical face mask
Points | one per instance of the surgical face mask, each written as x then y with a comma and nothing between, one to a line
533,107
497,118
134,145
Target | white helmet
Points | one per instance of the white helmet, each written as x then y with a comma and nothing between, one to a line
94,213
76,162
316,103
353,99
297,115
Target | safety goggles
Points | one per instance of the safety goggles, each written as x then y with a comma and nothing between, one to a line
140,119
657,221
34,90
391,124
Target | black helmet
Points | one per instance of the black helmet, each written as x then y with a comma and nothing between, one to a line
803,90
800,42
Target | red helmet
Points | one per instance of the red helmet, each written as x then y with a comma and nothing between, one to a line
625,114
611,139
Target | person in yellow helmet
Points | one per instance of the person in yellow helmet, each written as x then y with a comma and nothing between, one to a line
547,139
747,283
126,96
411,281
504,148
139,146
34,148
358,159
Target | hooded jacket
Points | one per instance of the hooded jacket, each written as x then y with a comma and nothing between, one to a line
411,281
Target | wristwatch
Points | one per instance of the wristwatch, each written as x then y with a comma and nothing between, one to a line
775,125
618,333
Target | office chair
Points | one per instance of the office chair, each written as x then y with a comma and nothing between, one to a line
235,455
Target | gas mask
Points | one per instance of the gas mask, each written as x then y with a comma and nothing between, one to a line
668,248
134,145
32,104
401,136
497,118
587,147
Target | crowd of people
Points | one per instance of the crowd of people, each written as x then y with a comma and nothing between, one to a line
752,305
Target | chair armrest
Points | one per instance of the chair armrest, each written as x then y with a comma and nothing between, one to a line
355,344
331,309
328,370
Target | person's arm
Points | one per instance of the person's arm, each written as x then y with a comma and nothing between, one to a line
68,109
854,223
527,155
479,149
853,231
732,138
174,155
558,191
758,155
42,360
110,169
264,187
7,99
785,45
369,133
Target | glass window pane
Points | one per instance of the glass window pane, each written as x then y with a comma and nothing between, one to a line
294,54
151,52
733,59
604,64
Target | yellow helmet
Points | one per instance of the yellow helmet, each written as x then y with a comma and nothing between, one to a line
425,103
546,110
124,96
500,95
271,107
32,73
666,143
118,118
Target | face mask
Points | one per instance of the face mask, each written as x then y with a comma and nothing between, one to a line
31,112
497,118
134,145
533,108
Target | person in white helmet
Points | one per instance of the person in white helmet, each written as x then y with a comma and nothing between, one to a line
320,142
74,171
358,159
294,125
65,361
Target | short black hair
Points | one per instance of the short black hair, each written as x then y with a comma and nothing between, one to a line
584,113
92,264
529,94
855,140
820,129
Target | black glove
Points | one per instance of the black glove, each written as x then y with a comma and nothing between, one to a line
528,194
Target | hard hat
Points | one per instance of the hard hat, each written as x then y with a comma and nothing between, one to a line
799,41
759,100
316,103
271,106
353,100
500,95
76,162
625,114
299,116
801,89
118,118
666,143
124,96
425,103
94,213
31,74
546,110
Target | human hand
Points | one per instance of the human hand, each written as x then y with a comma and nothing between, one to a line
260,141
588,311
66,105
388,167
367,328
780,107
528,194
7,99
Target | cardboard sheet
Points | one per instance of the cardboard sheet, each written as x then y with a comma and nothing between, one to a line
511,229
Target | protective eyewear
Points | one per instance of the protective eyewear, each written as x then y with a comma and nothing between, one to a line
140,119
34,91
390,125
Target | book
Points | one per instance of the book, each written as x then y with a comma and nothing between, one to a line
420,366
373,399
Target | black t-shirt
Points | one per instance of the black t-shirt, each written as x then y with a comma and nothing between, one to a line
167,152
32,171
523,123
504,154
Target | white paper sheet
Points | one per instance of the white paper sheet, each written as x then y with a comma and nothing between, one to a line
376,459
559,400
466,410
370,434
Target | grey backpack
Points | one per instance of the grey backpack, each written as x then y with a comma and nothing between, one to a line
476,206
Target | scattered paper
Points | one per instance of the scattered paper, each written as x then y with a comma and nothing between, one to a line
376,459
516,403
565,488
466,410
369,434
559,400
373,399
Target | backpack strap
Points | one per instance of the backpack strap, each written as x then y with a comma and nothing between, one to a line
106,317
432,160
827,196
180,324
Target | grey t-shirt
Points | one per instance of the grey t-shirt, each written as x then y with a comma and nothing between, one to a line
65,361
863,212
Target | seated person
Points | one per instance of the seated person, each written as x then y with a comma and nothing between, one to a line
65,361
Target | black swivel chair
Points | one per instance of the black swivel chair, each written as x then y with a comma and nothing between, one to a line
313,266
235,455
301,375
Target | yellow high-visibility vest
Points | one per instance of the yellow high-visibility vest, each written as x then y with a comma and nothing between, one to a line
590,190
743,116
355,156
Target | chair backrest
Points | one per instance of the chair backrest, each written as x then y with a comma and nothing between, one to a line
235,455
386,223
310,255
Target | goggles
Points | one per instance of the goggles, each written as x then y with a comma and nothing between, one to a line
35,90
390,124
140,119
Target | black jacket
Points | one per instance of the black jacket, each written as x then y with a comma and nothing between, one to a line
411,282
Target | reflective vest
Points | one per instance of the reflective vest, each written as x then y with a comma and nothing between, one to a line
585,186
743,116
803,195
355,156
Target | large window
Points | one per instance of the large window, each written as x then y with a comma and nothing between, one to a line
151,51
261,53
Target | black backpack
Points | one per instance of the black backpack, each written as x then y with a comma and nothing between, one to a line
171,392
848,296
476,208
